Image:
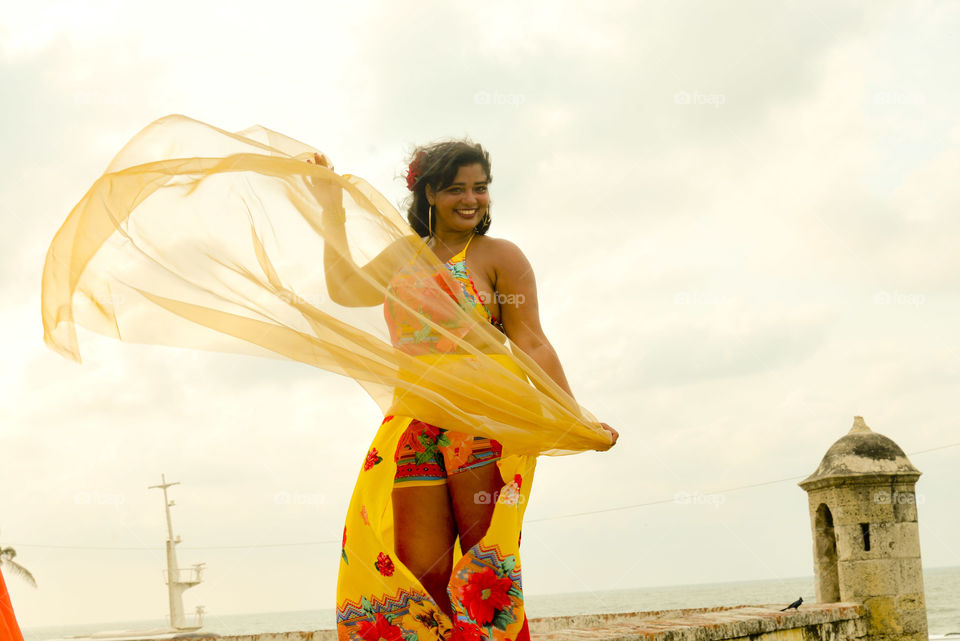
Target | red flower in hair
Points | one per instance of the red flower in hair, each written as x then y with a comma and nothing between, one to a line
415,169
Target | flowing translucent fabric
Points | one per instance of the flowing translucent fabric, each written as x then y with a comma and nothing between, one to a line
196,237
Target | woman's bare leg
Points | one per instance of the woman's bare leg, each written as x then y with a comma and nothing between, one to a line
473,494
424,535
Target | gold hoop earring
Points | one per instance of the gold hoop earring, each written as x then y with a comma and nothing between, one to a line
485,221
430,222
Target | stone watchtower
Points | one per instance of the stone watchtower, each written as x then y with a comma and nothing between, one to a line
866,544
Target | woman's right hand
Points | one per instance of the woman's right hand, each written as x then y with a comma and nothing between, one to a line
329,195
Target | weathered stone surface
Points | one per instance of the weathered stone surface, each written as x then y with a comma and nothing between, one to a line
817,622
885,541
882,618
861,453
850,543
907,602
862,579
904,501
911,577
857,502
914,622
907,541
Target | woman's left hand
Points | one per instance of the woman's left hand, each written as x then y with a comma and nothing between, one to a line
614,435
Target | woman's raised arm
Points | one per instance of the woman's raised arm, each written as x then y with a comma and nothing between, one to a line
348,284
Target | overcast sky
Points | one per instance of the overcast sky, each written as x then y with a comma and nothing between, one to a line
772,195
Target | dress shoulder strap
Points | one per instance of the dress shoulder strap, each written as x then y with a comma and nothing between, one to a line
461,255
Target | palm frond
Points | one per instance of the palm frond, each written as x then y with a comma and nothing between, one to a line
20,571
7,563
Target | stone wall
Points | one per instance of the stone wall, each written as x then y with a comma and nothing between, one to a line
815,622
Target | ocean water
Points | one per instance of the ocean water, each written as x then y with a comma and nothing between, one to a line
942,587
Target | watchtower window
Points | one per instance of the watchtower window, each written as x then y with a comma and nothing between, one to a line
865,531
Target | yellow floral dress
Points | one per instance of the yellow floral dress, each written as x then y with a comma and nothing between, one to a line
377,596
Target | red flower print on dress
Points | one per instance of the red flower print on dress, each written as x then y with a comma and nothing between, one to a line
510,493
426,430
458,452
467,632
372,459
384,564
484,594
446,283
438,302
411,437
379,630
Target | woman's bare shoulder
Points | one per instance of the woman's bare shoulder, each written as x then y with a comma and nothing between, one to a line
505,255
385,264
401,247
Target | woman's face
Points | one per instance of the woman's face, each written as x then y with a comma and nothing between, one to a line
461,205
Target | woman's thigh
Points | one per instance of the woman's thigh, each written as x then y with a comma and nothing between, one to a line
424,529
473,494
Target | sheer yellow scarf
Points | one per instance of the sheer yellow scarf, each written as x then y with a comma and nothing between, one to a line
197,237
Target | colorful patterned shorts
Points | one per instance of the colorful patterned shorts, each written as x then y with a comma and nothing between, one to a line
427,455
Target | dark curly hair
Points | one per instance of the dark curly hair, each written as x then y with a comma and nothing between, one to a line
437,165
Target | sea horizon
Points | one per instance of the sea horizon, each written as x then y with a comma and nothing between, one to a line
941,585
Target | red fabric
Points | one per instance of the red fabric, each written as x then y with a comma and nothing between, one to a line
524,631
9,630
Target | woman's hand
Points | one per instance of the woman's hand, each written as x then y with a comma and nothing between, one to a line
614,435
329,195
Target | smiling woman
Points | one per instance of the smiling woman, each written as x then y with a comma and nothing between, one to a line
197,237
453,517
